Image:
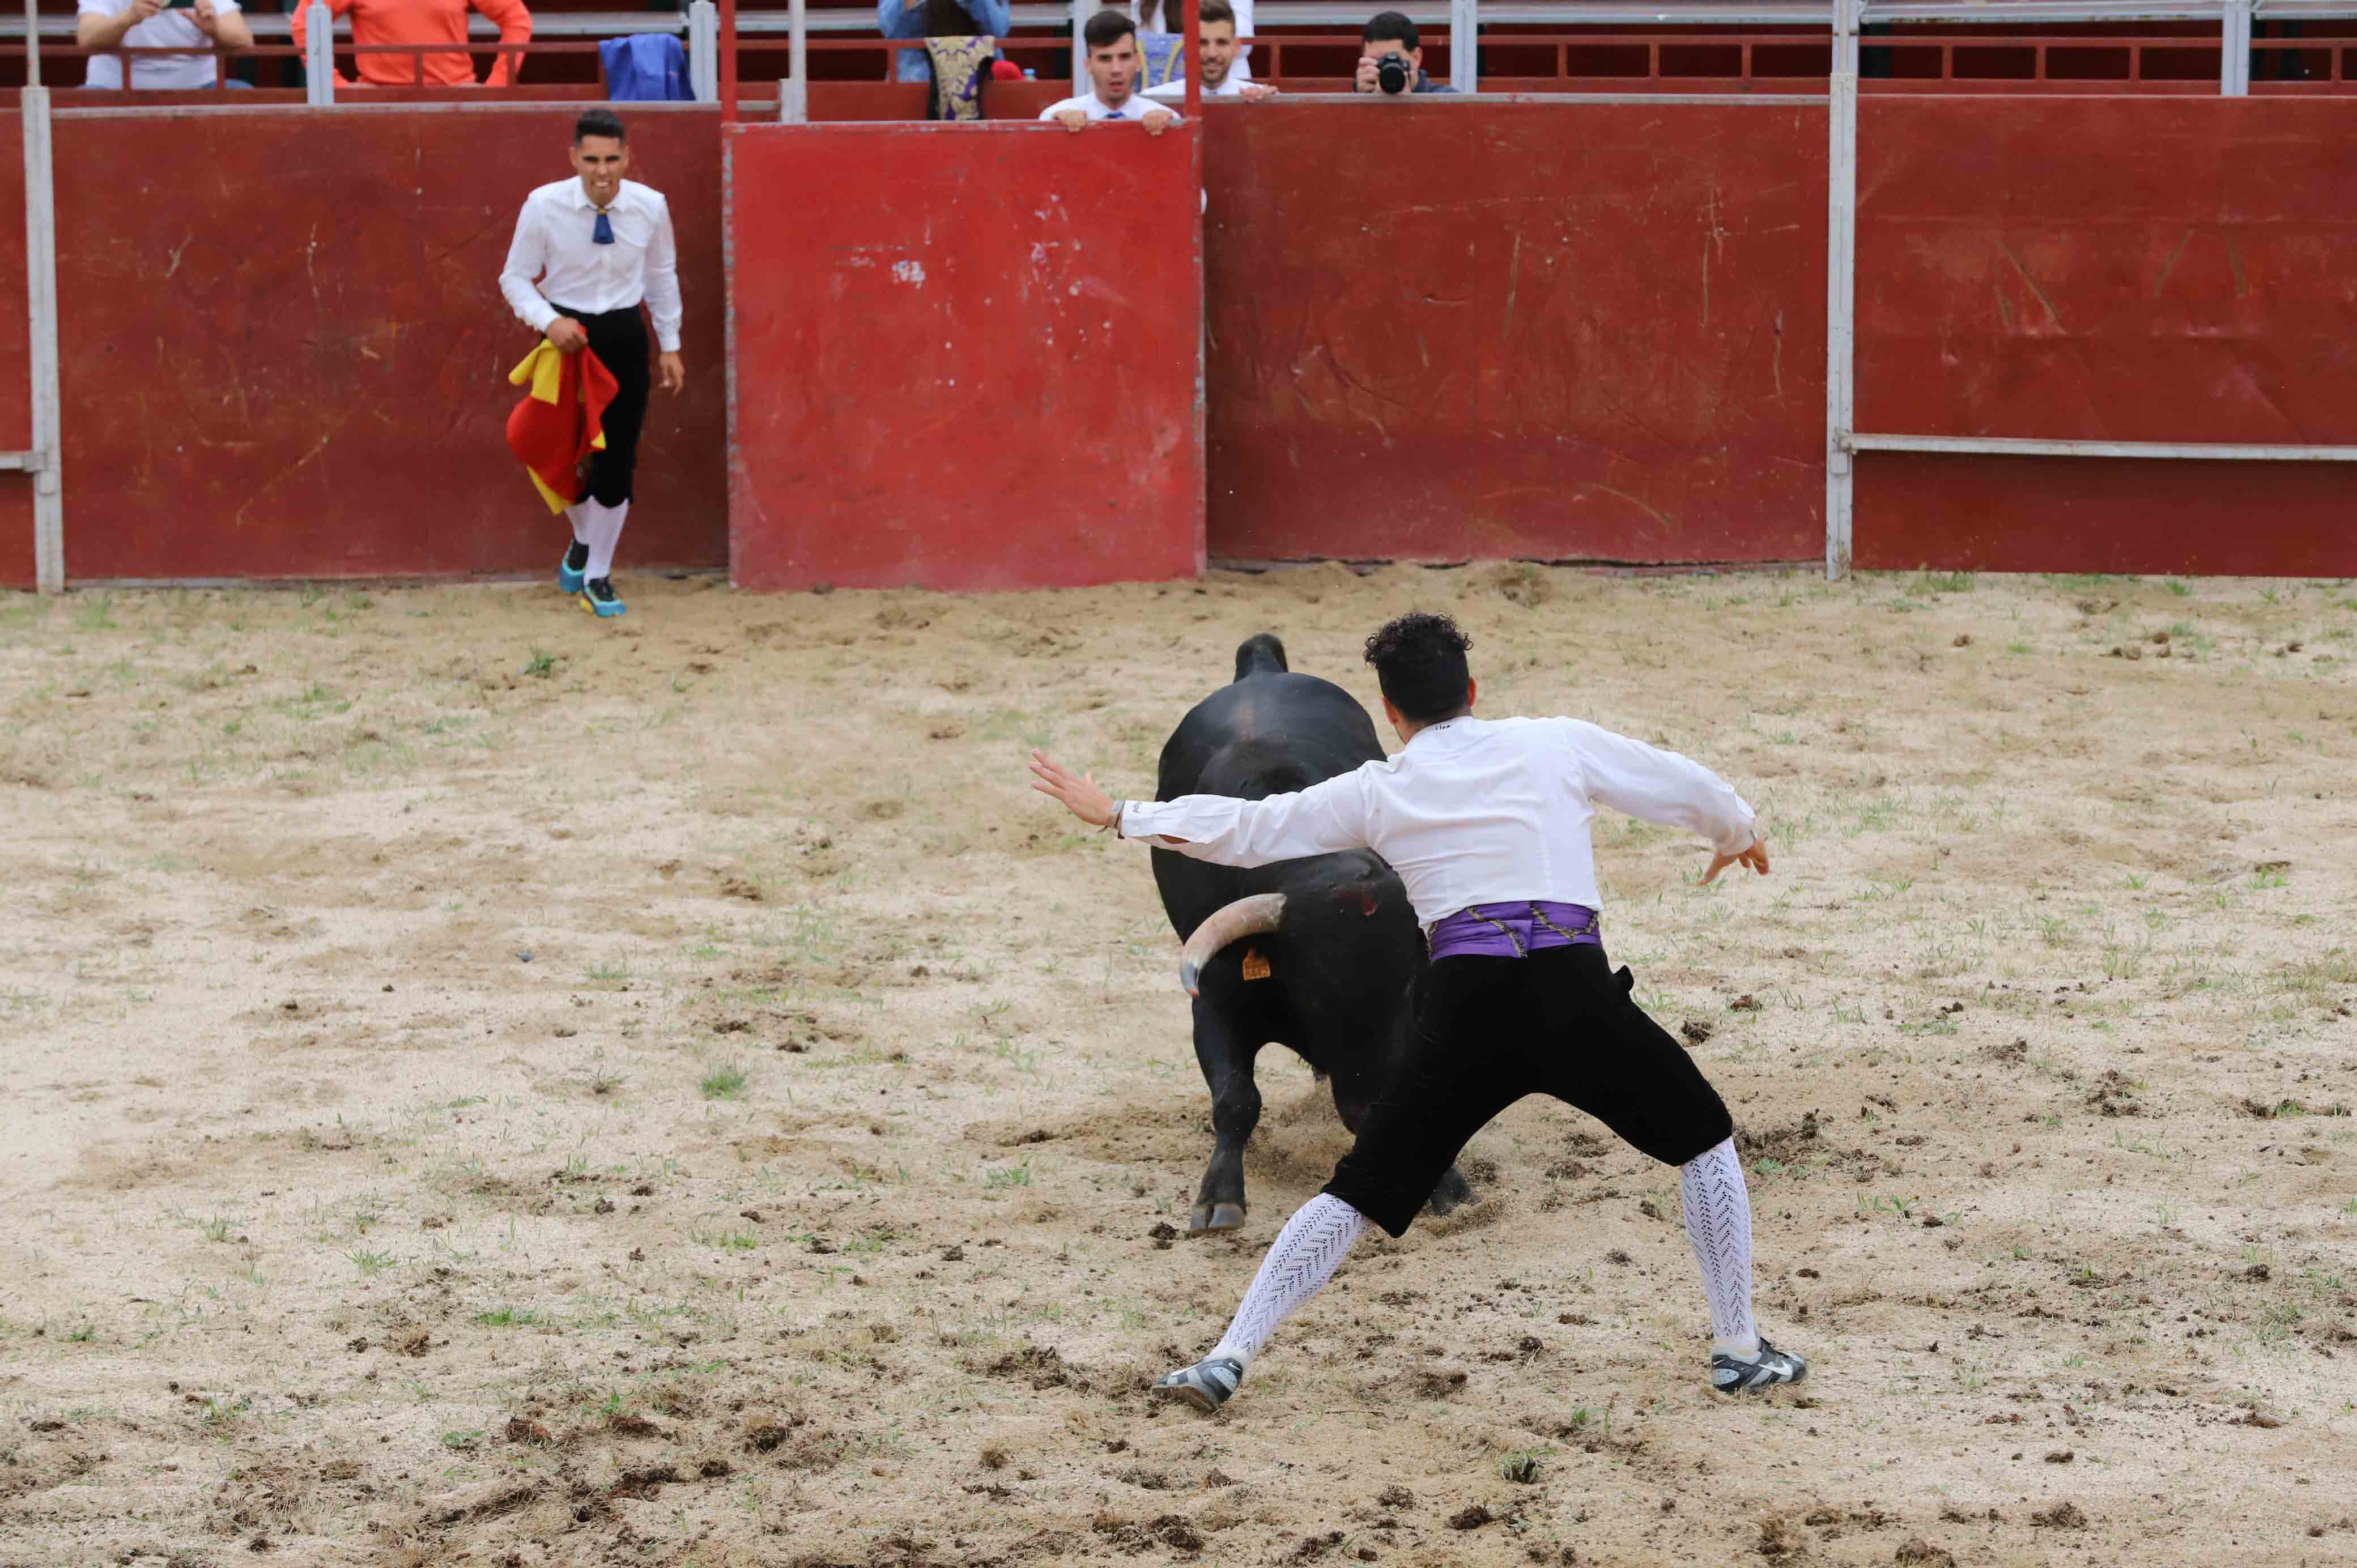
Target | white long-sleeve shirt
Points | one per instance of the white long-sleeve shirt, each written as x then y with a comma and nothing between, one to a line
556,233
1472,811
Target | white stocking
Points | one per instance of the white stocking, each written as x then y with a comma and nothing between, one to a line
574,515
1301,1261
1718,1225
605,531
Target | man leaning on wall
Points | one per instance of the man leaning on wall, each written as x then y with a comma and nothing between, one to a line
423,22
1114,66
196,29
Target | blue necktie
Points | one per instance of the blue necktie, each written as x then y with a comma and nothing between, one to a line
604,233
1114,115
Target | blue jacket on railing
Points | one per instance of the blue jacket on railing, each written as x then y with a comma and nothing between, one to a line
905,19
646,68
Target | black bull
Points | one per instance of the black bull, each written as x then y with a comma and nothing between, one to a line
1332,979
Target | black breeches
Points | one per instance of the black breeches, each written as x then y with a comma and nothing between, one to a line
618,339
1488,1031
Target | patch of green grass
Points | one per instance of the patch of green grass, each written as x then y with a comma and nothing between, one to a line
2176,587
369,1263
542,663
1930,582
507,1317
725,1083
1010,1176
464,1442
1522,1466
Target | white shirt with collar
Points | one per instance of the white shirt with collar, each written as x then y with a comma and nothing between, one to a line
171,29
554,236
1133,107
1472,811
1176,91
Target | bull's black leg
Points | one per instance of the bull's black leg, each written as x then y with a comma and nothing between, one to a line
1227,1062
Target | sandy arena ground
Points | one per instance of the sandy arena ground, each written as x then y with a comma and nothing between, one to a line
486,1086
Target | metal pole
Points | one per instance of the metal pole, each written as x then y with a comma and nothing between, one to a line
704,51
2234,50
727,62
1841,261
1192,70
1081,15
793,96
318,56
1464,45
41,312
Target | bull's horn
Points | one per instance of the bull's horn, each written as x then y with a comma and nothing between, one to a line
1244,918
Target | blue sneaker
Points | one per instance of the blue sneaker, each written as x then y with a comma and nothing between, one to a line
598,597
570,579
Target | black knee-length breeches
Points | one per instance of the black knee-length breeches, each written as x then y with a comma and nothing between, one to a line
1488,1031
618,339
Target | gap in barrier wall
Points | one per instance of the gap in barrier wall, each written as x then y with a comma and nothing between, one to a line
284,350
981,370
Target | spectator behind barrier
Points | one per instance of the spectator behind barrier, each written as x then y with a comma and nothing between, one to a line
1170,16
1391,57
1219,81
422,22
938,20
1112,39
203,26
645,67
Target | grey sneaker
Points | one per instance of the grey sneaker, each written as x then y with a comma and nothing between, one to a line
1731,1374
1207,1385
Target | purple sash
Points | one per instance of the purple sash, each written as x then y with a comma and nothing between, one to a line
1513,930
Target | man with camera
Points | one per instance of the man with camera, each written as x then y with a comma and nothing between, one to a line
1391,60
1221,77
194,26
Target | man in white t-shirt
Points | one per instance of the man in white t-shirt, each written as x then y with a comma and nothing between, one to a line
1222,75
1111,40
198,27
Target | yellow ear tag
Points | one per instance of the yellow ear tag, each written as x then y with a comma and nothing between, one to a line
1255,966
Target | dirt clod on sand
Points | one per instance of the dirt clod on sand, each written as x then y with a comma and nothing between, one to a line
1472,1517
1780,1537
2064,1515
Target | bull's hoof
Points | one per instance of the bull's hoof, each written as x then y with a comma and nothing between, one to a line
1452,1192
1210,1217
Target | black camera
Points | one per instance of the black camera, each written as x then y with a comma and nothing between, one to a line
1393,73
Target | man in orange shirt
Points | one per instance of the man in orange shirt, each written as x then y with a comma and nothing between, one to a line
423,22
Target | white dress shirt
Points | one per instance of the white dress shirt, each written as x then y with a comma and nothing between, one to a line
553,236
1473,812
1133,107
1176,91
1166,17
172,29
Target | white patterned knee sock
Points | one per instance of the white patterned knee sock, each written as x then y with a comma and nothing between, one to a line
605,524
573,514
1301,1261
1718,1225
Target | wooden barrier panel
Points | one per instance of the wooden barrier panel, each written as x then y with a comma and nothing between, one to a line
966,356
286,352
2147,269
1563,331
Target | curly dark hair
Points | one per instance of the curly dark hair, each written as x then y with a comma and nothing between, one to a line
1420,660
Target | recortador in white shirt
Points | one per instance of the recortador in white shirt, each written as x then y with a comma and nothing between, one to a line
1471,811
1133,107
554,236
172,29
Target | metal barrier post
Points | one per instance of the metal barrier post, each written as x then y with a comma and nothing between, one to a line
704,51
1464,45
1841,265
2234,50
794,93
1081,15
41,310
318,56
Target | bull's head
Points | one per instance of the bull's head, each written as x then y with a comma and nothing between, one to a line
1232,923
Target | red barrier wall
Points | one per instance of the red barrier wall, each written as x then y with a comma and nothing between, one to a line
982,370
1564,331
284,350
2107,268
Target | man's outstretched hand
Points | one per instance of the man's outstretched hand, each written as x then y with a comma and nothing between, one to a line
1756,857
1079,791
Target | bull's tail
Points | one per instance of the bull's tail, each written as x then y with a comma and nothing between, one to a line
1260,655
